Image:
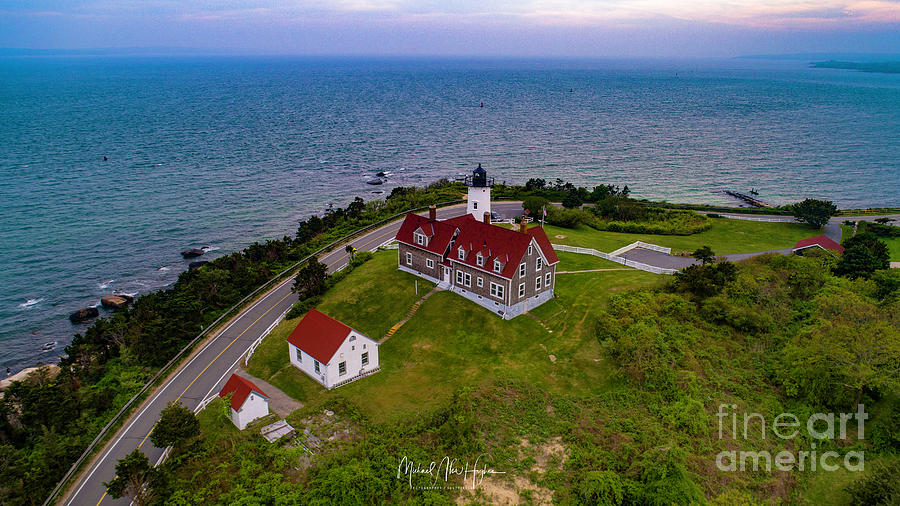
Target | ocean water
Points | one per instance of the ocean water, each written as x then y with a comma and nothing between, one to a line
222,152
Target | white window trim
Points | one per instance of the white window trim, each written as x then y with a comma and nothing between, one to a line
429,263
547,279
497,265
459,277
530,249
479,260
408,258
521,289
461,254
475,205
522,270
537,283
364,358
468,279
339,368
497,290
538,264
480,282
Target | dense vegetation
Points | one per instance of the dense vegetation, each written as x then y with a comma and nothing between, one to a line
46,422
770,335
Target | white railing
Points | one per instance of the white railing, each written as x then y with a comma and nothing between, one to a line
619,260
755,218
512,221
653,247
263,335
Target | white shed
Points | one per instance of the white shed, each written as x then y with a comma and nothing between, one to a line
330,352
248,402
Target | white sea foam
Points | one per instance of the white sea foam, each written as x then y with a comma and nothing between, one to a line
163,269
31,303
210,248
104,285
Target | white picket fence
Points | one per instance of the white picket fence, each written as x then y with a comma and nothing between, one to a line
263,336
754,218
617,259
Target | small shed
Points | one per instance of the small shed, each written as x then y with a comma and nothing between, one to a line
248,401
820,241
330,352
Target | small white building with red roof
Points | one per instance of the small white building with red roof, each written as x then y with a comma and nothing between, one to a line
818,242
248,402
507,271
330,352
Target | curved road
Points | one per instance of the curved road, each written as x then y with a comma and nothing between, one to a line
205,372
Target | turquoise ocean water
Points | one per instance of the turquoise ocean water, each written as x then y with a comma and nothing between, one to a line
223,152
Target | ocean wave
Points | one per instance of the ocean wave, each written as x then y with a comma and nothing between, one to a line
163,269
210,248
31,303
105,284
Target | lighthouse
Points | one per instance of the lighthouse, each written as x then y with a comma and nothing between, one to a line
479,201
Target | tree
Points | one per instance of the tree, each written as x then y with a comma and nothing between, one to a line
310,281
176,425
572,199
704,254
350,251
863,255
135,479
883,220
814,213
535,184
534,206
355,208
705,280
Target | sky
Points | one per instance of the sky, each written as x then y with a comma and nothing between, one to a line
549,28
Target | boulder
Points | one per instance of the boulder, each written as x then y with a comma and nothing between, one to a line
196,265
84,314
114,302
129,298
192,253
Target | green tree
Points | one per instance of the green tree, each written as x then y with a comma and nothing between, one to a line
135,479
814,213
534,206
704,254
176,425
572,199
310,281
863,255
350,250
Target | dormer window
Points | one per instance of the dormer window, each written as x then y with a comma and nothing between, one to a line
497,265
461,253
420,239
479,259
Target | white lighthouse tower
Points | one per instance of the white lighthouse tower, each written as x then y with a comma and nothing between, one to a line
479,201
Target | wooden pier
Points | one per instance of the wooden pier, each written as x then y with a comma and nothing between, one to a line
747,199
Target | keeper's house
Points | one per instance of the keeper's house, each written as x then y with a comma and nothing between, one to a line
330,352
507,271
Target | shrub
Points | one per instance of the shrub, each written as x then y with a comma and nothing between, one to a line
566,218
879,486
814,213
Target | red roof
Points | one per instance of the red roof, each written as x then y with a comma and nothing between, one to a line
475,236
821,241
241,388
439,233
319,335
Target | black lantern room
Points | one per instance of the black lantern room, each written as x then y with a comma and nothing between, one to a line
479,178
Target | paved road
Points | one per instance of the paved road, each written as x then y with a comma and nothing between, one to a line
206,371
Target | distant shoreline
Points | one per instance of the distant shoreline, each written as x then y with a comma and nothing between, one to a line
884,67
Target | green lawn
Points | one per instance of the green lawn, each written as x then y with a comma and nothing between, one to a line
577,262
725,236
452,342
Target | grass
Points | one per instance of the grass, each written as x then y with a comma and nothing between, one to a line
724,237
452,342
827,487
578,262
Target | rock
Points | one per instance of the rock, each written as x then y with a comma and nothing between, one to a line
125,296
84,314
192,253
196,265
553,358
328,412
114,302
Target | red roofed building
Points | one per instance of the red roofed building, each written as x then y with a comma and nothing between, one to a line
507,271
820,241
330,352
248,402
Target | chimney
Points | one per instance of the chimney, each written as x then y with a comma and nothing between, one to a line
432,213
523,226
487,217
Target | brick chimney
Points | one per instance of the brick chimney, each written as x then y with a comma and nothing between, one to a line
487,217
432,213
523,226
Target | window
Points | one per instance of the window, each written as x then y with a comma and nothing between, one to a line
468,279
316,365
461,254
537,283
429,263
474,205
420,239
480,281
497,265
538,264
352,348
530,249
299,354
479,260
459,277
365,358
342,368
408,258
522,290
352,338
496,290
547,280
364,346
522,271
